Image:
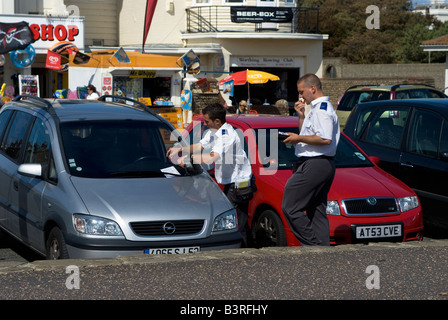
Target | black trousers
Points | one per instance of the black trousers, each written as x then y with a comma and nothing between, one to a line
242,208
304,202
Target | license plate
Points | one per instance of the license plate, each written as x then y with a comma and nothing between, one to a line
172,250
371,232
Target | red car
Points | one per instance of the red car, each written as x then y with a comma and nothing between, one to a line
364,203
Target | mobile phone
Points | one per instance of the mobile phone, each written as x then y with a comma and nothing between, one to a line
282,135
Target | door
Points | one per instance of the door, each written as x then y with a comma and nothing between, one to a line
5,178
11,151
384,135
26,193
424,162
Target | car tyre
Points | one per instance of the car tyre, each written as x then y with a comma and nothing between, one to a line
56,247
269,230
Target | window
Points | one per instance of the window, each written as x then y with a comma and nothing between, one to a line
108,149
16,132
234,1
38,145
201,2
4,116
425,133
290,2
444,140
386,127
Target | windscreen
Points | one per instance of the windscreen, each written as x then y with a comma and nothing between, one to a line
125,148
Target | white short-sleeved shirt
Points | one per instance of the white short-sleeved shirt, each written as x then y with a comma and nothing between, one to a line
321,120
233,163
93,96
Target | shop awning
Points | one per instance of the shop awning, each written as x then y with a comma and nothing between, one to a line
105,59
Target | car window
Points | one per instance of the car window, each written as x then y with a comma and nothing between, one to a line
361,121
424,134
420,94
352,98
107,149
444,140
386,127
4,116
435,94
404,94
349,156
38,146
274,154
16,134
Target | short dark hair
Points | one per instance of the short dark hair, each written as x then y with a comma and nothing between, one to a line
91,87
311,79
215,111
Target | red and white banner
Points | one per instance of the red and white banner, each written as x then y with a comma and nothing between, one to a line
53,60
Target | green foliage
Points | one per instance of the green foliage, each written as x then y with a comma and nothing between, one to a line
397,40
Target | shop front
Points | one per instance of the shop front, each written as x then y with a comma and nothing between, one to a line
152,78
288,69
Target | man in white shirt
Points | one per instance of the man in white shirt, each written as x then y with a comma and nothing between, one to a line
232,167
305,196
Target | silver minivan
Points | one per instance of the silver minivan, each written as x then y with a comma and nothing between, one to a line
90,179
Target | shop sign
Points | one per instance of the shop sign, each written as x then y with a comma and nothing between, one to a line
48,31
261,14
106,84
53,60
267,62
142,74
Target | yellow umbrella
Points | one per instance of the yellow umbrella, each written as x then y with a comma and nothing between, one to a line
249,76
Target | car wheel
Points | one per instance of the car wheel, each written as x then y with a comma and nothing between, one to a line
269,230
56,247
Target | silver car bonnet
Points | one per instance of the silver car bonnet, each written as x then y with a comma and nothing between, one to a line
153,199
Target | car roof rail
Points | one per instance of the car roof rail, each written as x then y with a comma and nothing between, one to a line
44,103
361,85
395,86
140,104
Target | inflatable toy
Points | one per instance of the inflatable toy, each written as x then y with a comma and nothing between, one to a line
23,58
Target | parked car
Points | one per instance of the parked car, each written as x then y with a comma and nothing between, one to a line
365,93
90,179
410,137
364,203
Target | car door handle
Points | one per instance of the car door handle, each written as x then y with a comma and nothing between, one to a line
407,164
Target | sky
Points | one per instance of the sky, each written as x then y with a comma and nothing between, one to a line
418,2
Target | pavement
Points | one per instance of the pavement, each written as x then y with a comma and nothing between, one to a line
267,276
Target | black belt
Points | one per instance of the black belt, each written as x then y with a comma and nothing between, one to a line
302,159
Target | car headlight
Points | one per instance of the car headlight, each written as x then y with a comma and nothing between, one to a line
225,221
333,208
408,203
91,225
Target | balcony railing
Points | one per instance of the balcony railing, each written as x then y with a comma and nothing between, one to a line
204,19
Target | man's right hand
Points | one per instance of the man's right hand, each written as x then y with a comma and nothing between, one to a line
299,106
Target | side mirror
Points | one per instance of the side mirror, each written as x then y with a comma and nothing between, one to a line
33,170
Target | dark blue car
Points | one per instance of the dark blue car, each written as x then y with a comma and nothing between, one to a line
410,137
